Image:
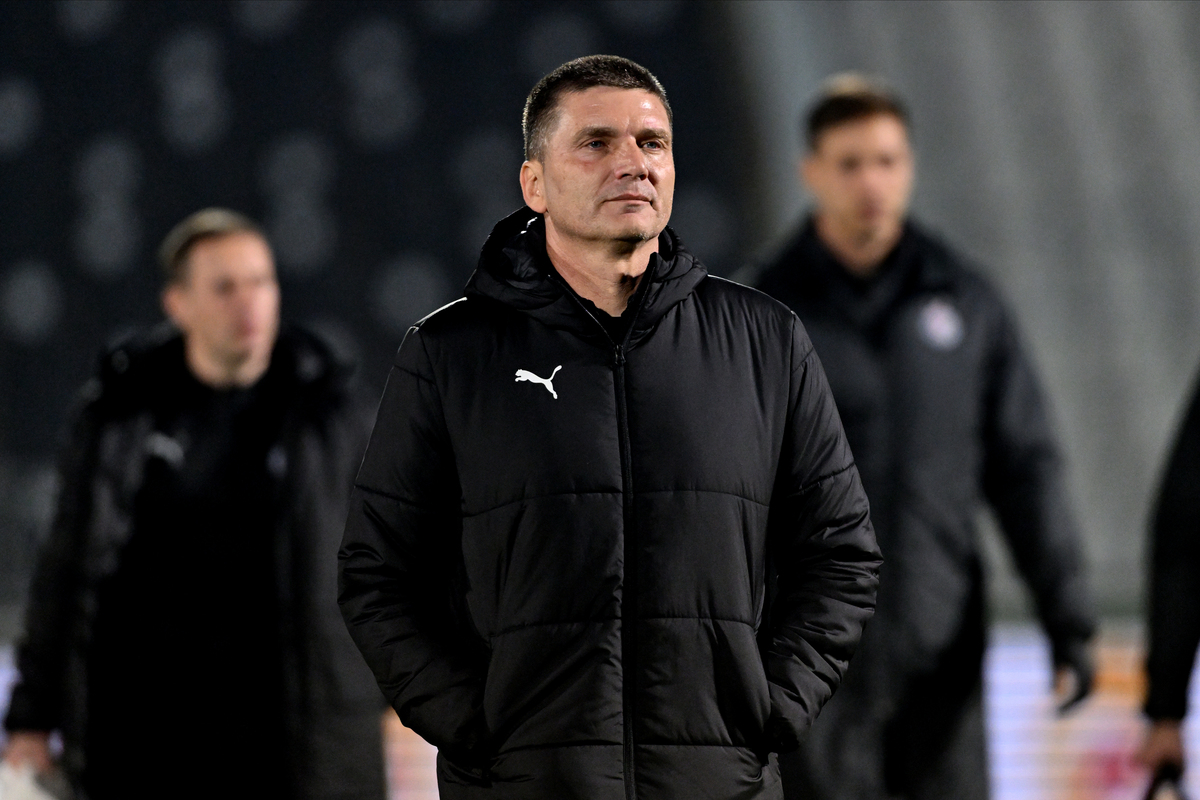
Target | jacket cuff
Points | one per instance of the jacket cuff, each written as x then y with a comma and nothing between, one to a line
781,737
1159,707
1069,650
26,714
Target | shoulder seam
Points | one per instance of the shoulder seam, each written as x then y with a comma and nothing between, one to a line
800,362
408,371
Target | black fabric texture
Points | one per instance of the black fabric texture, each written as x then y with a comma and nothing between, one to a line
634,581
216,501
1174,608
944,414
183,611
616,327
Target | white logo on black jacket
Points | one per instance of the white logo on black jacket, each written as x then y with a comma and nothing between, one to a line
526,375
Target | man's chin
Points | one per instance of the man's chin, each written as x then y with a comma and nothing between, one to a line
637,234
247,351
636,237
872,226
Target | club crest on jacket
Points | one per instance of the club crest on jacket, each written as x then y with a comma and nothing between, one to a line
941,325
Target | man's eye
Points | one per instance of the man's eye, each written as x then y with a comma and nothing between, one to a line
594,144
653,144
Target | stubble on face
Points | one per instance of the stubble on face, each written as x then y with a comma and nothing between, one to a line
607,174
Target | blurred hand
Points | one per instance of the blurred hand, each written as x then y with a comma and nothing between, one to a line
1163,744
29,747
1074,675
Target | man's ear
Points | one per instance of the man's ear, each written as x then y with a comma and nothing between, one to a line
173,305
806,169
531,186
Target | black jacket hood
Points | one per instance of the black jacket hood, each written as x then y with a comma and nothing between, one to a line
808,265
131,370
514,270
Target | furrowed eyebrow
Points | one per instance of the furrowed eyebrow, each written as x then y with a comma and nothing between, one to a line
656,133
603,132
597,132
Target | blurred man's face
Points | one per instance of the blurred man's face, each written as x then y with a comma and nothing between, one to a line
607,172
227,305
861,175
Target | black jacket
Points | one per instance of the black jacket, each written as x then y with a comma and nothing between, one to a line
332,705
1174,629
564,587
943,412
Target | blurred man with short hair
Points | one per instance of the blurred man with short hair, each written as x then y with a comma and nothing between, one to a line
182,628
943,411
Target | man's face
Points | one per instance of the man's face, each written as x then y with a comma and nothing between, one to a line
227,306
607,171
861,175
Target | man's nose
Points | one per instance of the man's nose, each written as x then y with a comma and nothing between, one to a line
245,298
877,174
632,160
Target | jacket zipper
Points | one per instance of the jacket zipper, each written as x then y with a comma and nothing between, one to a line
629,586
629,550
629,590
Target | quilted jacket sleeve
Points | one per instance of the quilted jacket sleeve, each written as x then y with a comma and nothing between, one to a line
1025,483
53,608
825,554
1174,624
396,563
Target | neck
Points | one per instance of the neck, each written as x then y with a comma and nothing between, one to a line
860,251
216,373
606,275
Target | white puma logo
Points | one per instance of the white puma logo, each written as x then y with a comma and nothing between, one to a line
526,375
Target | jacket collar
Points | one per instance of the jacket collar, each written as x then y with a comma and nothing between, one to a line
131,370
923,258
514,270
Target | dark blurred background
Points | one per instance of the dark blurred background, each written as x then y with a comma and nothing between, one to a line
378,142
1058,144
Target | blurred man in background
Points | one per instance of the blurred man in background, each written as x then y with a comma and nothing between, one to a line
182,628
1174,613
942,410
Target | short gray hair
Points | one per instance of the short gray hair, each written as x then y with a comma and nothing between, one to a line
576,76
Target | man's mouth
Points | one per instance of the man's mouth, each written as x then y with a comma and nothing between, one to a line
631,198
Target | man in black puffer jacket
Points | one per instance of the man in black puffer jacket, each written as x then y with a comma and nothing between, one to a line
182,629
608,540
943,411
